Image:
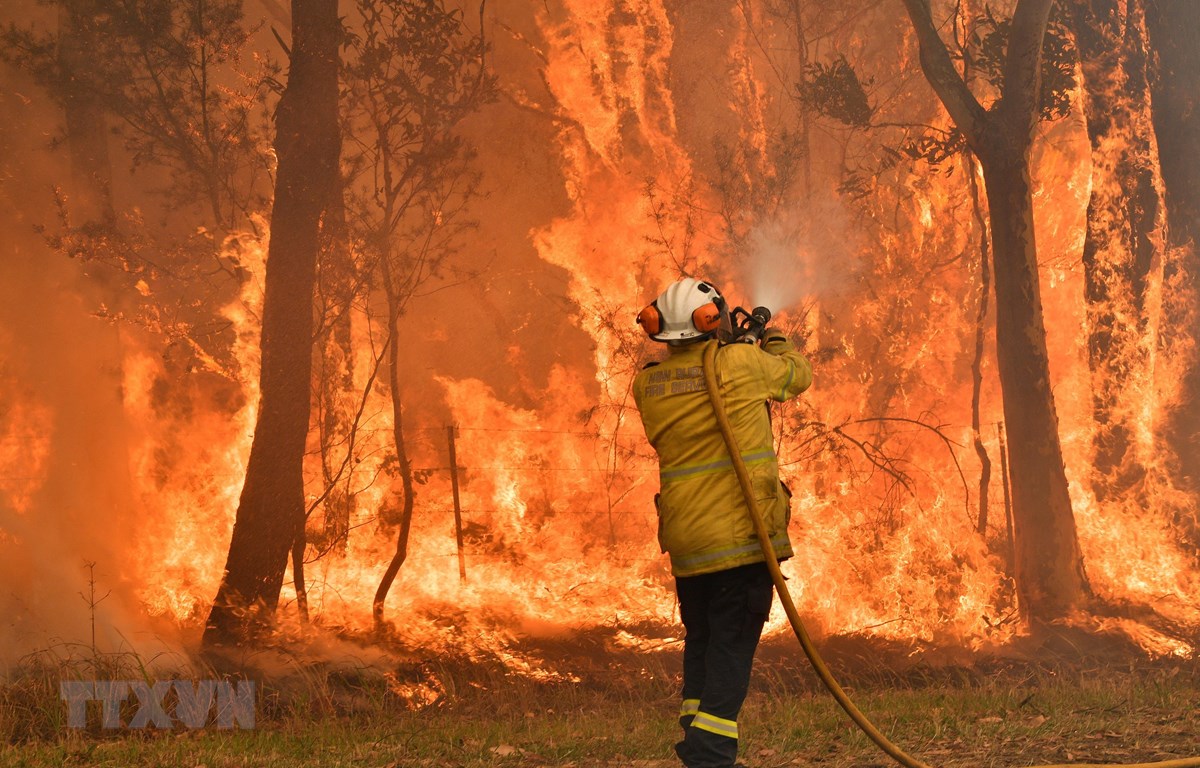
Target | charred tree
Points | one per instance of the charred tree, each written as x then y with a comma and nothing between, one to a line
1174,28
1124,231
1048,562
270,514
796,9
982,314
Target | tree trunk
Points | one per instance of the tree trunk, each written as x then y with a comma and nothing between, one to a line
1048,563
1174,28
403,464
1048,566
1124,232
298,548
270,514
981,318
965,12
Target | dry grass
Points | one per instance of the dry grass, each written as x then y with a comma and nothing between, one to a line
621,713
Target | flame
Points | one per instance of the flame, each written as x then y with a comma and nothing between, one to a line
191,469
24,449
556,488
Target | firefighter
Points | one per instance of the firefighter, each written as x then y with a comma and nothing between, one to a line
704,524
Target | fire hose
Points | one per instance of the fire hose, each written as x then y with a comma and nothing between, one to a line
789,607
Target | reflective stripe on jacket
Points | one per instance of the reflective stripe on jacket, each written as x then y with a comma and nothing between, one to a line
704,524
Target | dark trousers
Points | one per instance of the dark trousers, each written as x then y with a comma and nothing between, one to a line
723,614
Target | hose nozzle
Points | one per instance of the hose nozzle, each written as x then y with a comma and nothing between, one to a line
752,324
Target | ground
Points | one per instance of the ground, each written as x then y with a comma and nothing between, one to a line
991,712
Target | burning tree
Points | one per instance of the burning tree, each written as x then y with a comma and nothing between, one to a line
1122,252
1173,26
270,515
413,74
1049,566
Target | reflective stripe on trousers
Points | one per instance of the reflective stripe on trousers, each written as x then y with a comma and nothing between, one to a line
687,711
723,613
717,725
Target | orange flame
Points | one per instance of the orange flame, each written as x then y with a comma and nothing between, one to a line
556,497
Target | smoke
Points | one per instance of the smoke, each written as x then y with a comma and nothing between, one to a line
796,263
66,496
75,505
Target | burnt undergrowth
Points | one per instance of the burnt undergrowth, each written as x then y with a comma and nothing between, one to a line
637,662
328,676
618,665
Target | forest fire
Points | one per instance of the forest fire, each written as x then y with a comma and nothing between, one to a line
614,146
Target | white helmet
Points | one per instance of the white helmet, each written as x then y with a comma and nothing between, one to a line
687,309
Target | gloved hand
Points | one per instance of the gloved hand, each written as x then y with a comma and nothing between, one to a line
776,341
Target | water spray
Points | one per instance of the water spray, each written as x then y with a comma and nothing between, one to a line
785,597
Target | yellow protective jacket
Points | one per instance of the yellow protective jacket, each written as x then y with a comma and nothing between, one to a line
703,521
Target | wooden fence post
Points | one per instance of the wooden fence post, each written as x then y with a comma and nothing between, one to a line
458,527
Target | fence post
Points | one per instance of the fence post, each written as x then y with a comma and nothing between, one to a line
458,528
